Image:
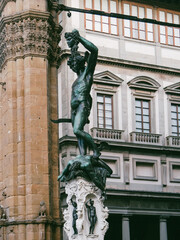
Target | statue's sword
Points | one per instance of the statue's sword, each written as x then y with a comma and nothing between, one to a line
62,120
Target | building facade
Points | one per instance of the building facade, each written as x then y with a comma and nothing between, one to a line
136,110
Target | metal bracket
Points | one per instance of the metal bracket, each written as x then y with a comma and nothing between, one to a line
62,7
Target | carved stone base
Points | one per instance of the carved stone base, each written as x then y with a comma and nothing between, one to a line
80,190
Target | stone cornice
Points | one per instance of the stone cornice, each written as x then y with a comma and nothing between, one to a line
127,146
173,89
107,78
138,65
143,194
29,33
129,64
3,4
144,82
46,220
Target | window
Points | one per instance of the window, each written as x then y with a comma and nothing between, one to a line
138,30
169,35
101,23
175,119
142,112
105,111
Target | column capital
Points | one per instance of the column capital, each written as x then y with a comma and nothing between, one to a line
163,218
126,217
29,33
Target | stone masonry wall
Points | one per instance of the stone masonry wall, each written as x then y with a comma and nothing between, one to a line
29,36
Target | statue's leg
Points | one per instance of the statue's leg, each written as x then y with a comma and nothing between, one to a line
81,143
79,122
82,146
90,229
93,225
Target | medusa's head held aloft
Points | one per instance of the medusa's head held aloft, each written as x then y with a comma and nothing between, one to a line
72,38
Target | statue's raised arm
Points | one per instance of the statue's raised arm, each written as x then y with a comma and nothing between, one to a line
92,59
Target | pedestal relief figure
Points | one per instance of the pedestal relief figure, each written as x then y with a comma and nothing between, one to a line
74,216
91,215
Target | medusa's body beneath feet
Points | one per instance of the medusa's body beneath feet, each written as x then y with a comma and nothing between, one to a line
95,170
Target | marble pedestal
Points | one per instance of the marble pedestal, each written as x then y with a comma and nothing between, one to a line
80,190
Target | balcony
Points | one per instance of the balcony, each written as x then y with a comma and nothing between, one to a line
106,134
173,141
147,138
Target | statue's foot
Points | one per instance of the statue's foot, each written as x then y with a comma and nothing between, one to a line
96,155
103,145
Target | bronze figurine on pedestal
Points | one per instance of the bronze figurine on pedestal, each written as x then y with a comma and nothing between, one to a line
89,167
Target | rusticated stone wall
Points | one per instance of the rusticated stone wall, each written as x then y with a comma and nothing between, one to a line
29,53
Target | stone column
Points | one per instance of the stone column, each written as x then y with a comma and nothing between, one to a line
163,228
29,33
125,227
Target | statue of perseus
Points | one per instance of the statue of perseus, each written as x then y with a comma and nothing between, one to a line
81,101
91,167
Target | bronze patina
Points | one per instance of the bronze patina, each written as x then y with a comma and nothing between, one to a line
90,167
81,100
92,216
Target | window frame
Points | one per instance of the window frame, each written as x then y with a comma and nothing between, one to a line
108,83
149,116
104,110
131,22
173,97
166,27
101,17
177,119
147,92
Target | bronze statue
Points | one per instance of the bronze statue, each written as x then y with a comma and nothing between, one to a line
81,101
91,215
89,167
75,216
